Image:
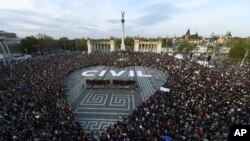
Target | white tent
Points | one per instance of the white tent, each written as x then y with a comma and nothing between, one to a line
164,89
179,56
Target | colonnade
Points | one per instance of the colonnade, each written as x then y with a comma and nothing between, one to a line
4,47
100,46
147,46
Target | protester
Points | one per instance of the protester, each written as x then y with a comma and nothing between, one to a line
201,105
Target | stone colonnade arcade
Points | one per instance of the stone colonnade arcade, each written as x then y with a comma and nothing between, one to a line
100,46
147,46
4,47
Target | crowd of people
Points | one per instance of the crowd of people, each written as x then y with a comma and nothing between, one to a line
96,83
202,104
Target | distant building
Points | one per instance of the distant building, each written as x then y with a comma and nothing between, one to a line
195,38
202,49
222,39
167,49
224,50
10,43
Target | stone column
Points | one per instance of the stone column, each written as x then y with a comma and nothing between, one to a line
123,21
136,45
159,45
89,46
112,45
6,46
4,52
99,47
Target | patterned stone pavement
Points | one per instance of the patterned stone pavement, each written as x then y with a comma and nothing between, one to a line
97,109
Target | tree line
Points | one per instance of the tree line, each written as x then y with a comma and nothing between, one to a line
44,43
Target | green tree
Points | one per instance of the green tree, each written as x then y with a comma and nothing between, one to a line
63,41
27,44
129,41
182,46
169,42
164,42
83,45
239,49
190,47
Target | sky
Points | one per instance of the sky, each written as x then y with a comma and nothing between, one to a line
144,18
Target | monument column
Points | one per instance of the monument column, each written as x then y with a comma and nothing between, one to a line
89,46
122,20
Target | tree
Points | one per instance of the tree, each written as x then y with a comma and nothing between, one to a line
47,43
190,47
129,41
164,42
27,44
183,45
169,42
239,49
63,42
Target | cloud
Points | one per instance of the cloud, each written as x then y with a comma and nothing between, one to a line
113,21
156,13
101,19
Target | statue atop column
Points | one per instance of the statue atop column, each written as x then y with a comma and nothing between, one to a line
123,21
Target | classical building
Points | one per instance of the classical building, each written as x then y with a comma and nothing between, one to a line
100,46
224,50
9,43
148,46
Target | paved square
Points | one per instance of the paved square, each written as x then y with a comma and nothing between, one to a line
97,109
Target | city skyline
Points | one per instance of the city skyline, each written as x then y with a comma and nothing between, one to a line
102,19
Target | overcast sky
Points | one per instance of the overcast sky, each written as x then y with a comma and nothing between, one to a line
147,18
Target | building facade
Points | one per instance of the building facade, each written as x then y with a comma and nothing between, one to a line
147,46
9,43
100,46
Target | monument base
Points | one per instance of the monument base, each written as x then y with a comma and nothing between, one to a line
122,47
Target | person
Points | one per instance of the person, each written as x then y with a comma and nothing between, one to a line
202,105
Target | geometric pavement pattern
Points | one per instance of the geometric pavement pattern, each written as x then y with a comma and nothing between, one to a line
97,109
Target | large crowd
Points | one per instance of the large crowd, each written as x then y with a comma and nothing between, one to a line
201,105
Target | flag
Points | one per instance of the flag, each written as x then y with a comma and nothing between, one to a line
164,89
22,87
166,138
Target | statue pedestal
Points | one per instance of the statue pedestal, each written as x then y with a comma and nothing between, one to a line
122,46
